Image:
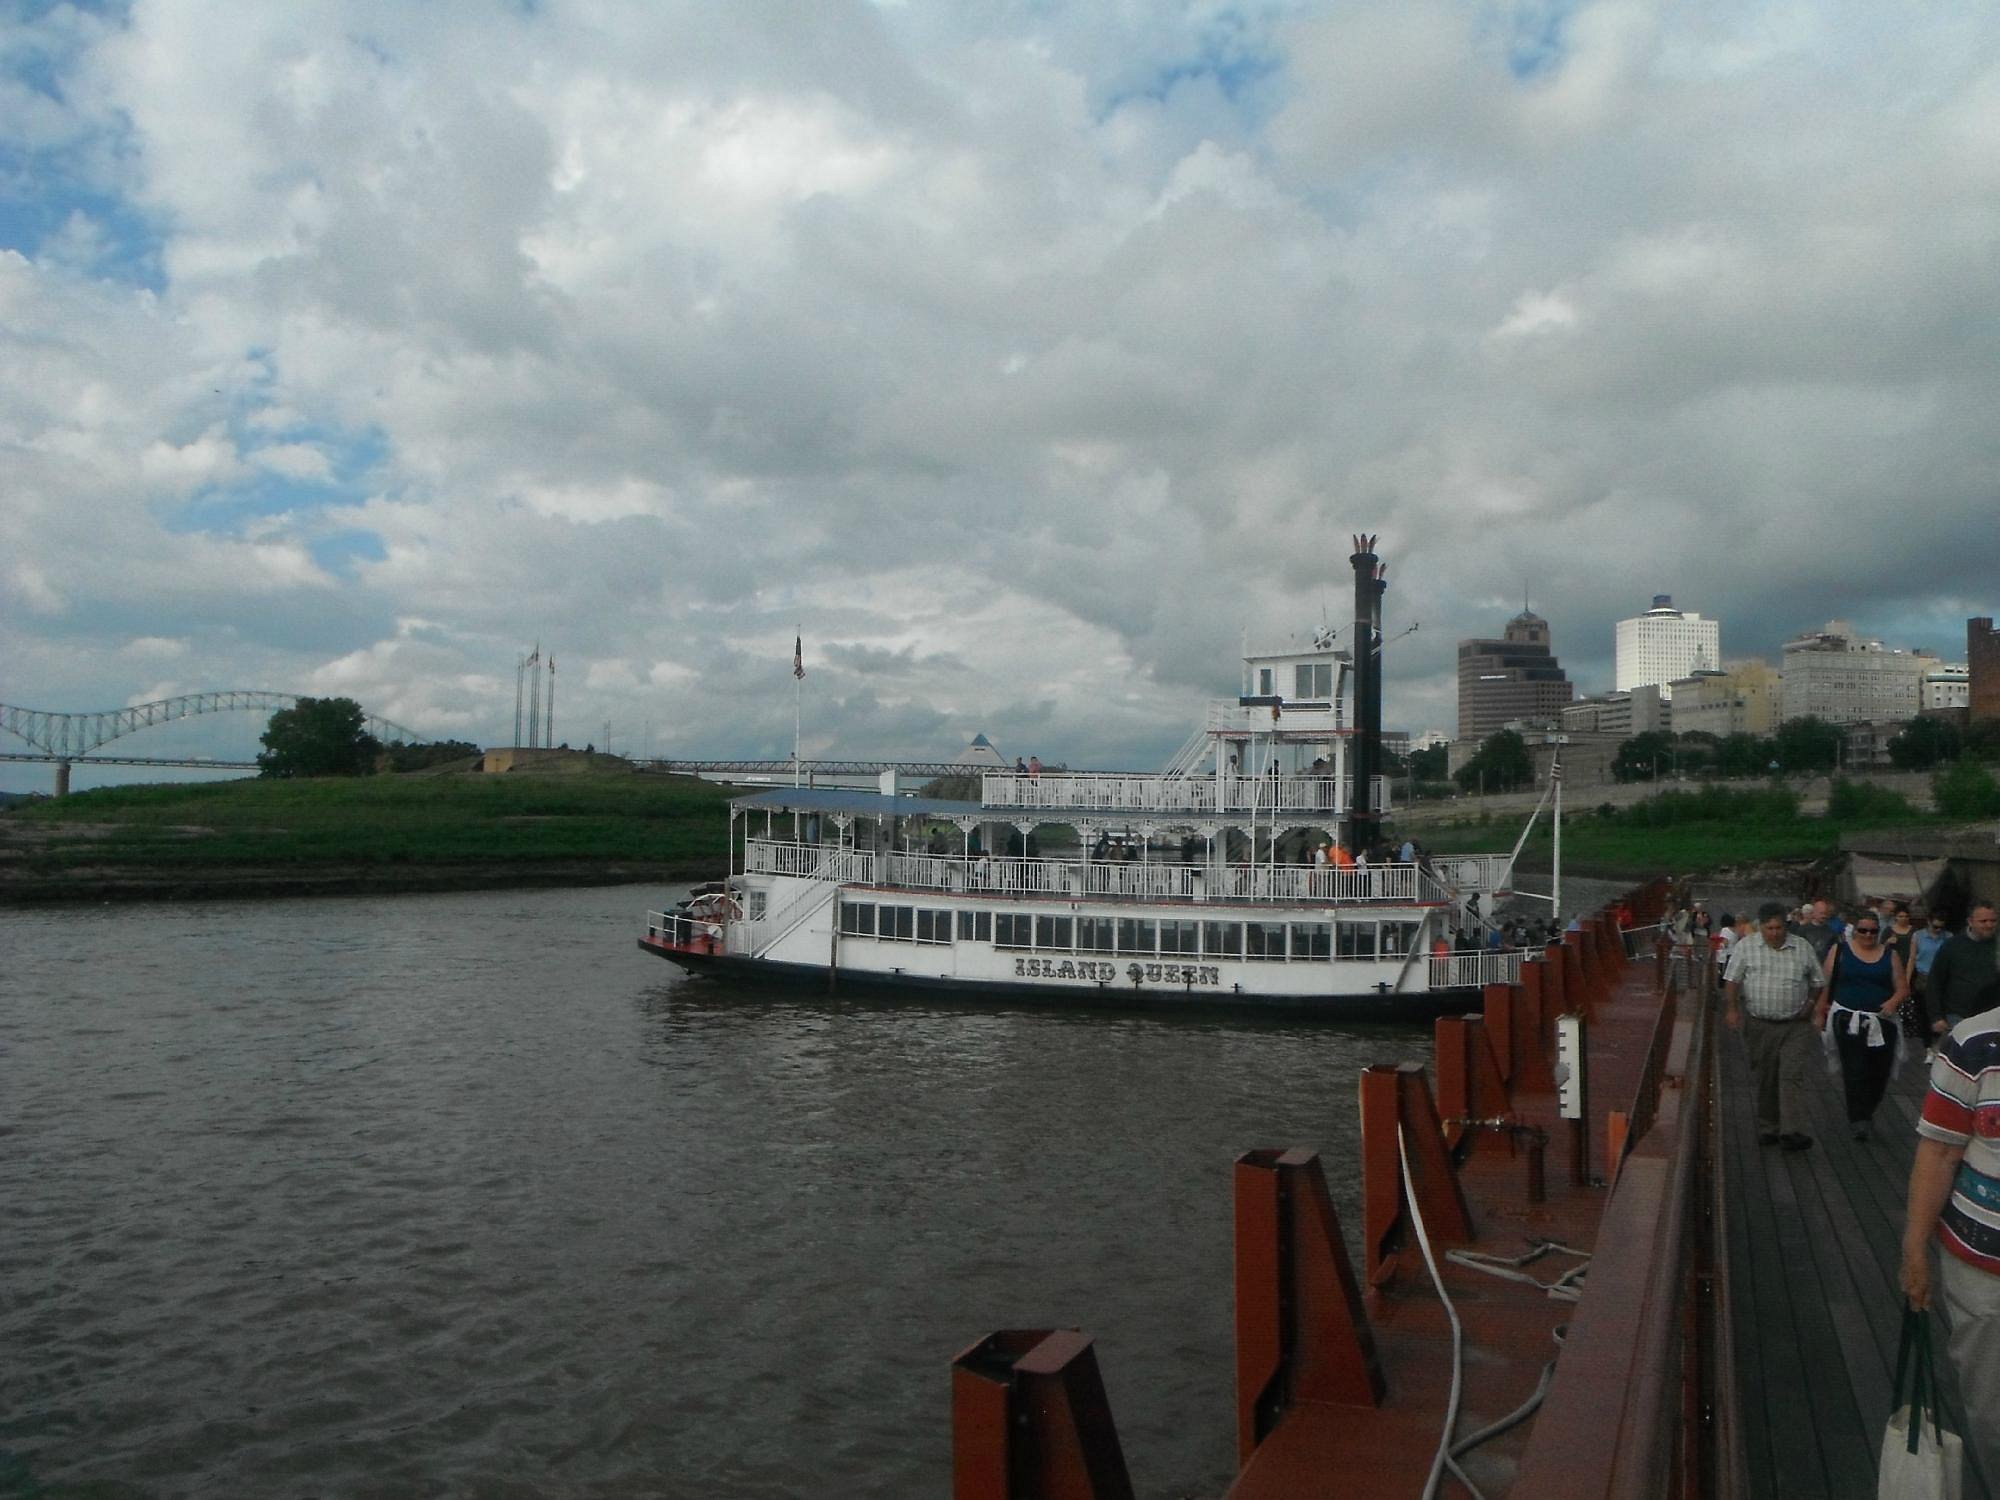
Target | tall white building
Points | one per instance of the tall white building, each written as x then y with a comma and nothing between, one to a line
1664,644
1836,675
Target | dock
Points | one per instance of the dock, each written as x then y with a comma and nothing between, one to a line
1814,1247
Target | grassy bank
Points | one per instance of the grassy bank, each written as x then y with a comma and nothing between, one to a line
379,832
1713,829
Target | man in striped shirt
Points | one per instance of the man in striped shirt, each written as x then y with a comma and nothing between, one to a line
1955,1192
1769,985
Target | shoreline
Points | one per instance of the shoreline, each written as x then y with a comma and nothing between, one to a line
105,884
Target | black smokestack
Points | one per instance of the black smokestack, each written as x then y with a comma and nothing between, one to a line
1361,817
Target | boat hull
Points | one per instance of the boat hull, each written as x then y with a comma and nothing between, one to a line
1423,1005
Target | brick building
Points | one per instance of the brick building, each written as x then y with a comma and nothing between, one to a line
1515,677
1982,662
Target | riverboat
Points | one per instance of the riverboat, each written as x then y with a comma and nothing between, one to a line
1199,885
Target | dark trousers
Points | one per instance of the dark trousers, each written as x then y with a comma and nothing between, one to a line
1864,1070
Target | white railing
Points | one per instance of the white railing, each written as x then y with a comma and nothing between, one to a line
1255,718
1454,971
809,861
1325,796
1466,873
1132,880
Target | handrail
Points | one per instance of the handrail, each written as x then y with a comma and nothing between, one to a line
1647,1332
1325,797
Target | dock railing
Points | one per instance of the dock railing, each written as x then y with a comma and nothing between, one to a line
1643,1404
1457,971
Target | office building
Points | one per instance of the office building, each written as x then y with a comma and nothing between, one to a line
1982,665
1742,698
1836,675
1515,677
1644,710
1664,644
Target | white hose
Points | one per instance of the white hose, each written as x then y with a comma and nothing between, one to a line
1443,1459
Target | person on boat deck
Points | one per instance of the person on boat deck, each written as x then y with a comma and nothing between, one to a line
1342,858
1034,765
1954,1185
1866,985
1408,853
1319,854
1020,766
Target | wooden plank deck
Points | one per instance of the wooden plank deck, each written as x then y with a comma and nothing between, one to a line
1815,1240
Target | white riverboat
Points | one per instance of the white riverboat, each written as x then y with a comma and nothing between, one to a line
1196,886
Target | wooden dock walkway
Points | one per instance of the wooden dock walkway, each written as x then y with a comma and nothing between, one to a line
1814,1246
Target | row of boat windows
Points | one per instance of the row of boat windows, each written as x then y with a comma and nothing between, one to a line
1135,935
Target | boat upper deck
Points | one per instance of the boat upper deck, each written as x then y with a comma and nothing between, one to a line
1323,797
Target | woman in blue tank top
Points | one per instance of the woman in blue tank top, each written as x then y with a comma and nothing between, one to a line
1866,984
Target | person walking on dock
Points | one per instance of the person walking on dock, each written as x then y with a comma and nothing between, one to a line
1866,985
1962,969
1769,988
1955,1197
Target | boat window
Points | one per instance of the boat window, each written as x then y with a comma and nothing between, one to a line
1312,940
1222,939
757,906
1180,937
1267,939
933,926
1263,682
1138,936
975,926
1094,934
899,922
1355,939
857,918
1397,938
1013,930
1052,932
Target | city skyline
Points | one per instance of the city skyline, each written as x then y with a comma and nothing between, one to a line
1023,360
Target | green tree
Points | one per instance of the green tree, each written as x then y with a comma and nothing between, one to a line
1966,790
1502,762
422,757
1744,755
1433,764
1644,756
1807,744
318,737
1923,743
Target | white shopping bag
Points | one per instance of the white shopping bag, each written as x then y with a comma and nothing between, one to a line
1931,1473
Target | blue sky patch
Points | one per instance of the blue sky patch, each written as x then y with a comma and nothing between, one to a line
342,553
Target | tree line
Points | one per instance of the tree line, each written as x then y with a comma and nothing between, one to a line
329,737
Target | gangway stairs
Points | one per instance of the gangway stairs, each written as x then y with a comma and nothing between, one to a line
1189,756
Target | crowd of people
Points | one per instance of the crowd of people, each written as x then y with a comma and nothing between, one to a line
1872,982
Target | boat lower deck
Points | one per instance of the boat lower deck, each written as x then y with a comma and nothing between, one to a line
1814,1247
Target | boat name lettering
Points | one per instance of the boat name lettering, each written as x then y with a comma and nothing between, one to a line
1105,973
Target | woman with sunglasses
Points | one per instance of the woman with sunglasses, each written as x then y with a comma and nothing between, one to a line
1866,984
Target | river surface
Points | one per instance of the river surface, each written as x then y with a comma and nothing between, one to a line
465,1195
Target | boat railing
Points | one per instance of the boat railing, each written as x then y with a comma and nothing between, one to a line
1457,971
1463,874
1256,718
1141,880
834,862
678,930
1323,796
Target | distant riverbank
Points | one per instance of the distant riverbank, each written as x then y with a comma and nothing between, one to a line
373,835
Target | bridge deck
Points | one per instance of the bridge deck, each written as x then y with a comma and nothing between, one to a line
1815,1241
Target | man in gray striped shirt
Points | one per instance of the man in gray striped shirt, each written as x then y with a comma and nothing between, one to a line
1768,991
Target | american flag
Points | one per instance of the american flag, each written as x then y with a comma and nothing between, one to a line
799,657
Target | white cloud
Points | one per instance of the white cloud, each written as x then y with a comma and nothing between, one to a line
1026,356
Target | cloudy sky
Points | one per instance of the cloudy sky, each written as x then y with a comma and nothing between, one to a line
1022,354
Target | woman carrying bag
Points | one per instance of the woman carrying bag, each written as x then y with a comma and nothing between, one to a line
1866,984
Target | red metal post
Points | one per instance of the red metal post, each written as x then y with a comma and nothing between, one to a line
1030,1421
1301,1332
1533,1034
1469,1084
1499,1007
1396,1095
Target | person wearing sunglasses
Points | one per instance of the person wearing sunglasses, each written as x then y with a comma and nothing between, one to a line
1866,985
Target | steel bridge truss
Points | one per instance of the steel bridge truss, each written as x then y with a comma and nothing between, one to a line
74,736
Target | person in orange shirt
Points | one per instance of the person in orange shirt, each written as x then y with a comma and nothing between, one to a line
1342,858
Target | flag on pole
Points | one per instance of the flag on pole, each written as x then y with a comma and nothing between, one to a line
799,657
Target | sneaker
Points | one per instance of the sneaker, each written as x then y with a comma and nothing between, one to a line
1767,1137
1795,1142
1860,1130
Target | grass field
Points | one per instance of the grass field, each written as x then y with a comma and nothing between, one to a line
377,820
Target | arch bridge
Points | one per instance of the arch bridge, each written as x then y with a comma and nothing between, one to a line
65,738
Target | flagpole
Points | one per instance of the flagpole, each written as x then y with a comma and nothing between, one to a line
798,694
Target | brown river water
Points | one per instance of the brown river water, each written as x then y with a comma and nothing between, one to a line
465,1195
